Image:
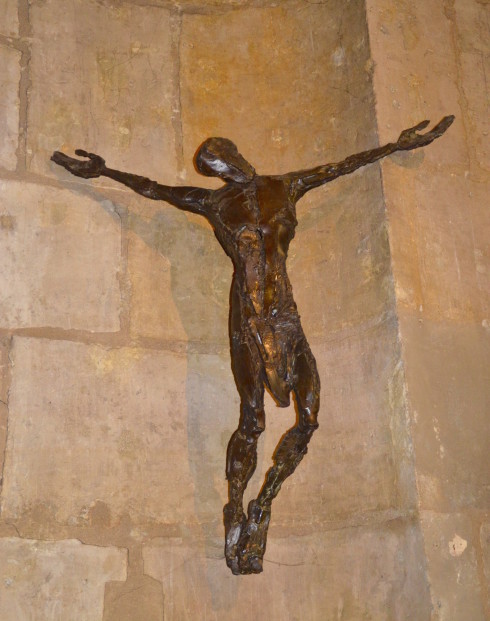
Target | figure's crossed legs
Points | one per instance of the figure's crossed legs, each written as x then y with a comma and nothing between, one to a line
246,537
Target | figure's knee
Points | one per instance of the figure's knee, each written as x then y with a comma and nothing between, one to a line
308,418
252,422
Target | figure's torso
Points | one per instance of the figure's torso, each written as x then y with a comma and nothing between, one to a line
255,224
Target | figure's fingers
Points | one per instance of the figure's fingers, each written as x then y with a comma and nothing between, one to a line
60,158
444,124
421,125
82,153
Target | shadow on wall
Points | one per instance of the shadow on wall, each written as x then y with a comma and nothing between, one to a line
201,296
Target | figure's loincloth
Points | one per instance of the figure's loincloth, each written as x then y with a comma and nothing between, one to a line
275,343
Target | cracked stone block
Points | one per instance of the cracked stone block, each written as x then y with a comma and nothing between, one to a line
107,94
346,574
56,580
9,105
273,80
97,429
180,277
9,24
452,567
60,261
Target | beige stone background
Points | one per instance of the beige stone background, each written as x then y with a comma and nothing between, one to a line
117,399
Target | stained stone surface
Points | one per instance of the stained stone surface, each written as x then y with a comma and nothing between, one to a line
120,103
124,406
9,105
56,580
316,577
290,61
9,24
60,260
453,566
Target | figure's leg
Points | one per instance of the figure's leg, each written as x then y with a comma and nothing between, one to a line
289,452
241,459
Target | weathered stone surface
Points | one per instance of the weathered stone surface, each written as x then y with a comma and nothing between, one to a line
95,425
60,260
285,83
107,94
452,567
9,24
180,277
347,574
448,374
56,580
9,105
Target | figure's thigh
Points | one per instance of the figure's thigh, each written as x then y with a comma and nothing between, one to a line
249,375
307,385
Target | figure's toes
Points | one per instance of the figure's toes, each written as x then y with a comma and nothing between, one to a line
251,565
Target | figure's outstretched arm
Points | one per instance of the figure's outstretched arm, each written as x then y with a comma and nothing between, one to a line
305,180
186,198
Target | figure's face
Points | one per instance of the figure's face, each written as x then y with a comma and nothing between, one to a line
219,157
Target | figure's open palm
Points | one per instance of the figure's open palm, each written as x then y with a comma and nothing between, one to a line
409,139
93,167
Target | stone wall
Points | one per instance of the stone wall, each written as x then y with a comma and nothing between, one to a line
116,394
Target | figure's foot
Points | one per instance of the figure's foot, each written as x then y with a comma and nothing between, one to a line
234,523
253,539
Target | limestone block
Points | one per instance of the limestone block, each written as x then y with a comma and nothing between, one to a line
349,468
452,567
56,580
97,428
180,277
140,598
416,75
4,388
485,544
9,24
288,85
9,105
345,574
440,243
107,94
448,374
475,67
60,260
342,245
471,20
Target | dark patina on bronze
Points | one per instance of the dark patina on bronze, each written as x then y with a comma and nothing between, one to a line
253,217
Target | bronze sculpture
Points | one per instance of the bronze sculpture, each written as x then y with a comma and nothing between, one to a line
253,217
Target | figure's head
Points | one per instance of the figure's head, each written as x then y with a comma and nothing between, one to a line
219,157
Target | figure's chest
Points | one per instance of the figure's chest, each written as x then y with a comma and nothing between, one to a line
260,204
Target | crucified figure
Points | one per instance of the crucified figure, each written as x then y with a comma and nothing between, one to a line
253,217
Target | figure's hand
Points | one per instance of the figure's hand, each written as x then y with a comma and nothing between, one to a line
93,167
409,139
